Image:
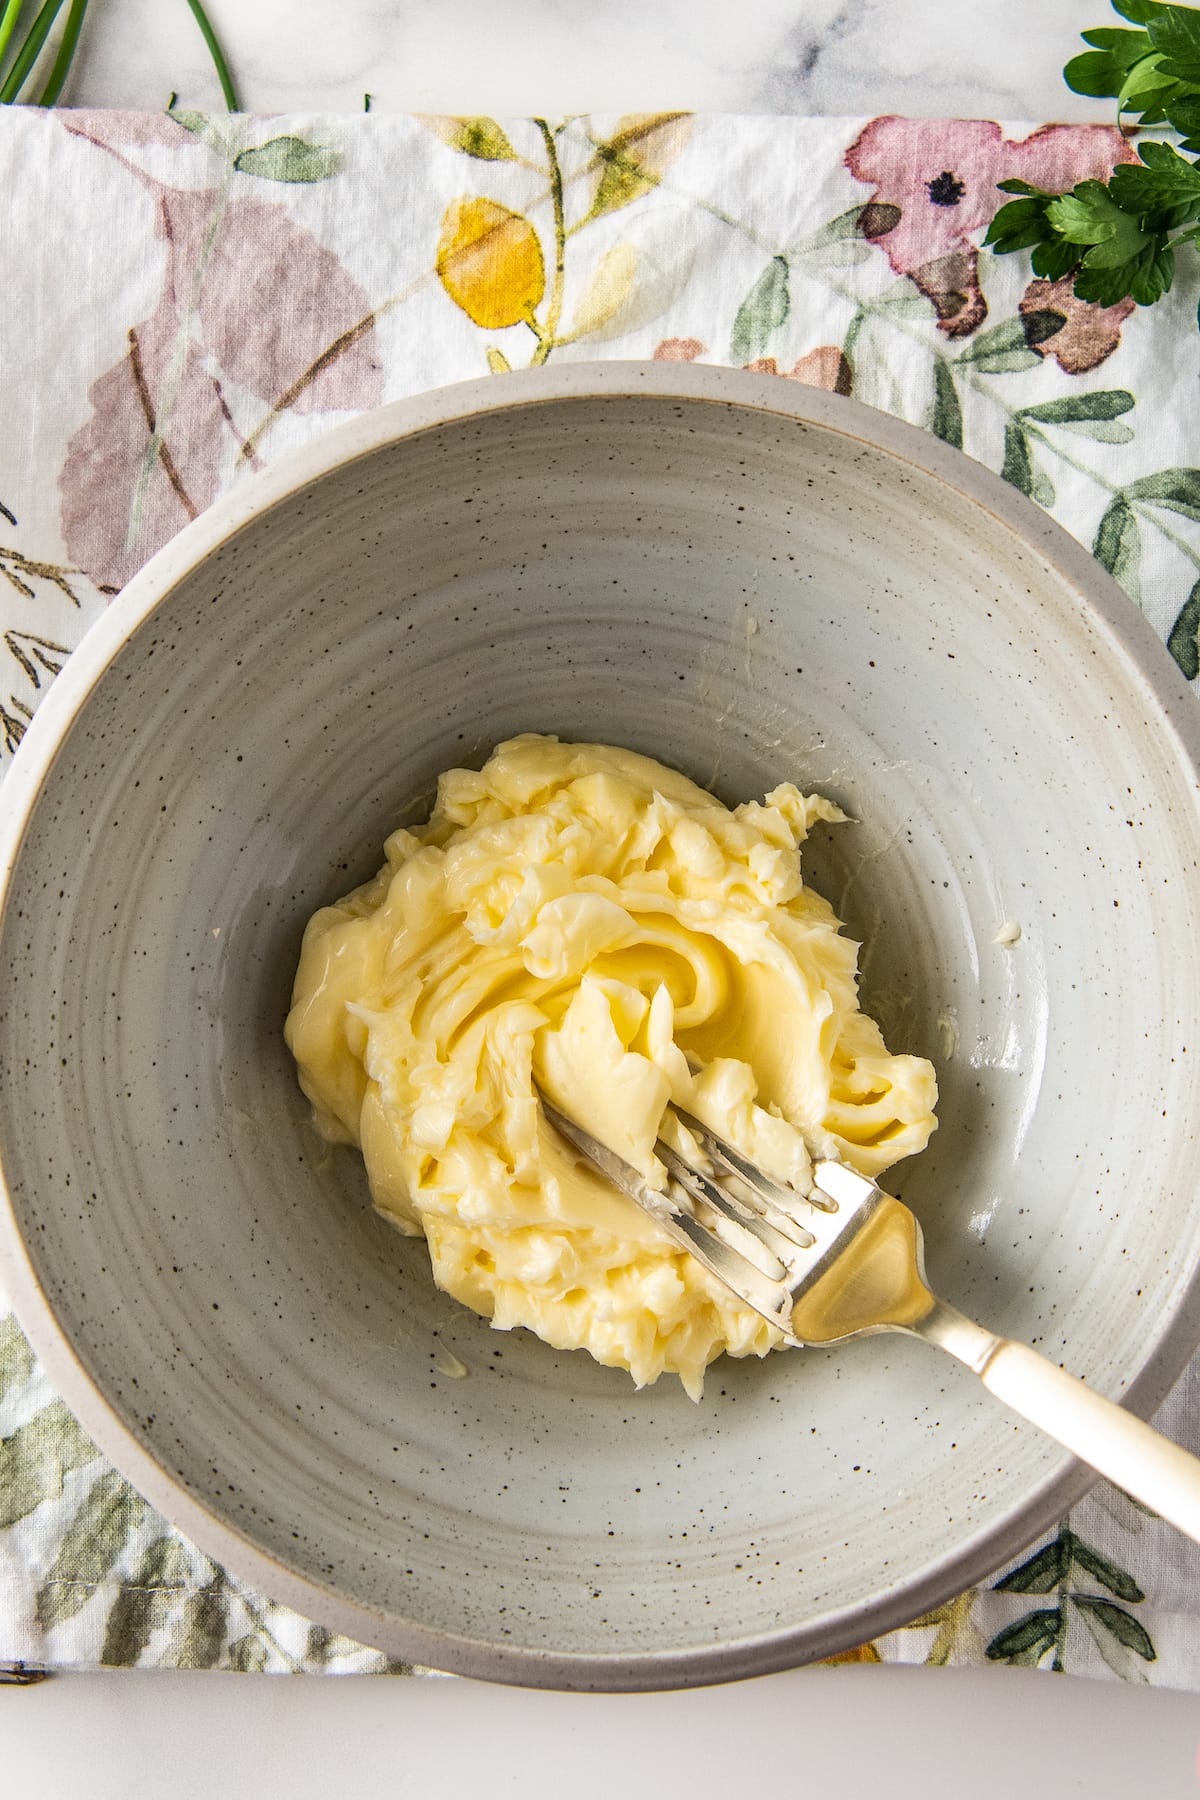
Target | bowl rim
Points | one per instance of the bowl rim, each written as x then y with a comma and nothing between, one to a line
1129,634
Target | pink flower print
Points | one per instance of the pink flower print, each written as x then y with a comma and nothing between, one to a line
941,177
679,350
825,367
278,323
1077,333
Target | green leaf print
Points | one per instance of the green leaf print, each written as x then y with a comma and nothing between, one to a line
1120,1624
480,137
290,159
839,243
198,1642
1019,467
945,418
1178,490
1042,1572
1003,350
16,1358
1101,1569
1095,416
200,126
248,1654
1025,1643
95,1539
1184,641
143,1606
762,312
1118,545
1055,1568
34,1460
325,1646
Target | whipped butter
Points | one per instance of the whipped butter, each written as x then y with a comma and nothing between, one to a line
583,920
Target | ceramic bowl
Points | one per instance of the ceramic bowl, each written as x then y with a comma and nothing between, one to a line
752,582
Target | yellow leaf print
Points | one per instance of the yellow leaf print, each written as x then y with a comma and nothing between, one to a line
607,291
490,262
637,156
861,1653
481,137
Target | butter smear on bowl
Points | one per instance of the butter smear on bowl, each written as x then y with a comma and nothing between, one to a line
586,921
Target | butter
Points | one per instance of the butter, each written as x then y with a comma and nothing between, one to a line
583,920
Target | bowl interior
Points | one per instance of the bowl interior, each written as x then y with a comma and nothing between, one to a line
750,598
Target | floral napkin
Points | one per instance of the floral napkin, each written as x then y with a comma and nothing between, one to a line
188,296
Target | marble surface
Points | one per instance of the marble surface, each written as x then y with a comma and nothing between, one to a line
528,56
191,1735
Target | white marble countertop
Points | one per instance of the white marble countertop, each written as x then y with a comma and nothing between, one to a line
977,57
847,1731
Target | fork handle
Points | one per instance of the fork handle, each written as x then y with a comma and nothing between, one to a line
1116,1443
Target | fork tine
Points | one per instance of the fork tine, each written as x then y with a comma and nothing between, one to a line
752,1240
746,1231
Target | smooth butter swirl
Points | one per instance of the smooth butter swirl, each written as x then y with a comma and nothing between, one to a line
585,919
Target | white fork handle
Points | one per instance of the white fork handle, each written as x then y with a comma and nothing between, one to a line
1123,1448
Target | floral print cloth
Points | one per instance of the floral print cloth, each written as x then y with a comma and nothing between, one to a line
188,296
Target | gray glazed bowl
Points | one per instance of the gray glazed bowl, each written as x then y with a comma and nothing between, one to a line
753,582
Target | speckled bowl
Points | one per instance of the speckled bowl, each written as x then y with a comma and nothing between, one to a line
753,582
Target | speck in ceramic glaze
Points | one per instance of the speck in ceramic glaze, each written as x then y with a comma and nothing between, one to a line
752,586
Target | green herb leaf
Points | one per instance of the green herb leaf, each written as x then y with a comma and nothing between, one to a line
1106,1572
1184,115
290,159
16,1358
1145,88
1090,215
1140,12
1018,225
94,1540
1163,179
945,418
1118,545
1026,1642
1175,32
143,1605
762,312
1043,1571
1184,639
35,1459
1124,1627
1100,73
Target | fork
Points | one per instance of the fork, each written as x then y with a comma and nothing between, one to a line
848,1260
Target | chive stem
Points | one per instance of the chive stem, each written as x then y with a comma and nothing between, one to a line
8,24
217,54
29,52
66,53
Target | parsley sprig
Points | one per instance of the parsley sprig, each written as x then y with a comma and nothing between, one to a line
1119,237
